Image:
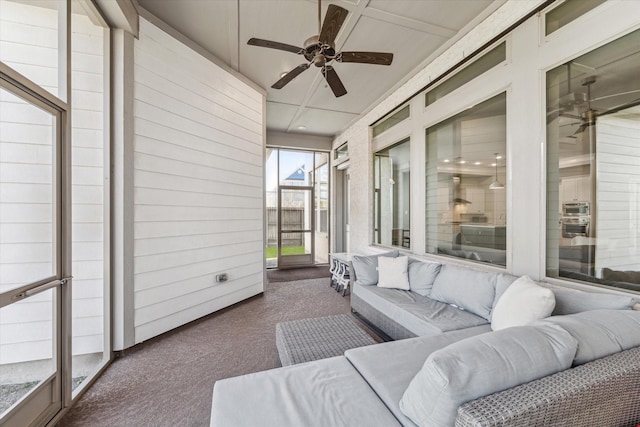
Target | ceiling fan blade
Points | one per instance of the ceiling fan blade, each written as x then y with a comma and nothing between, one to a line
290,76
333,20
378,58
274,45
334,81
582,128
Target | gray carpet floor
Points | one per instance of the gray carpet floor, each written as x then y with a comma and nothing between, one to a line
168,381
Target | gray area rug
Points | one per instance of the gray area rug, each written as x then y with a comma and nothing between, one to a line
168,381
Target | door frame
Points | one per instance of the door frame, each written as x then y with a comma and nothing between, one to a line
302,260
47,398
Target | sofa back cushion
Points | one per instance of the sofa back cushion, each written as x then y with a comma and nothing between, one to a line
571,301
366,267
600,333
621,276
422,275
467,289
482,365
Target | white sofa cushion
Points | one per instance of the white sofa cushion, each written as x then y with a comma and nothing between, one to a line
521,304
327,392
481,365
600,333
392,273
389,367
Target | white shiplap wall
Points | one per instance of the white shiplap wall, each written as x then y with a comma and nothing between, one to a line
198,185
618,192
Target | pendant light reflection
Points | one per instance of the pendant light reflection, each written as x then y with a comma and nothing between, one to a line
496,185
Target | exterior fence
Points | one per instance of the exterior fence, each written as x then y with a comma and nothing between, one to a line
292,219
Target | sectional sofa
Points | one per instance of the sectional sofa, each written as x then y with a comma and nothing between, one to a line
472,348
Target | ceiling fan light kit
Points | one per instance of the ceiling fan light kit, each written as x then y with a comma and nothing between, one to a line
319,50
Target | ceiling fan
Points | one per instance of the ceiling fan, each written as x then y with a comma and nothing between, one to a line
587,117
319,50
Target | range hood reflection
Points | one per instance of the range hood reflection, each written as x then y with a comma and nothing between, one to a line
460,201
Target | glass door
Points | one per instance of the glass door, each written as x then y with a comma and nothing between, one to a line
295,202
33,267
296,238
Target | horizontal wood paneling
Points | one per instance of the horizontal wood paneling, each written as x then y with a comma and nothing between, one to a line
198,185
618,193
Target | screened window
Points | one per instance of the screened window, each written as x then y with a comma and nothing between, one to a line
391,195
593,166
466,178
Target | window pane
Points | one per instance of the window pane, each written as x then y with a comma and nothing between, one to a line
391,121
321,206
567,12
593,166
392,194
30,41
271,200
466,172
296,168
296,244
487,61
88,189
26,192
342,151
26,347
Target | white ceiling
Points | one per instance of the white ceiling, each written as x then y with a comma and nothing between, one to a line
413,30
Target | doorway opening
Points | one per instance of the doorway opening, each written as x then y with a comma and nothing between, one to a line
297,208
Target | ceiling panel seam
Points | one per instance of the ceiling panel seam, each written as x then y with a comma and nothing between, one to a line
345,32
413,24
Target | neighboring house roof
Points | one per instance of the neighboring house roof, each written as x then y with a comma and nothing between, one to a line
298,175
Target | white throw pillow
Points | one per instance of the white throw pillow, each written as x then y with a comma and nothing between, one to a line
392,273
522,303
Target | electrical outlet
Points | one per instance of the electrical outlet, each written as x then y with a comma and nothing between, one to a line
222,277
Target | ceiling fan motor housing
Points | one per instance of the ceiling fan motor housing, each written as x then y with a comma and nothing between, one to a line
317,52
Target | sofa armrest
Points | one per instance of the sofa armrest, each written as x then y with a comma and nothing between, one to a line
602,392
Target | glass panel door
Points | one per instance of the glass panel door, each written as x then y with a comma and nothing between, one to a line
295,199
31,269
296,237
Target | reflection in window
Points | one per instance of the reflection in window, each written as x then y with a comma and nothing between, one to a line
486,62
342,151
593,166
466,178
391,195
567,12
321,206
392,120
32,42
